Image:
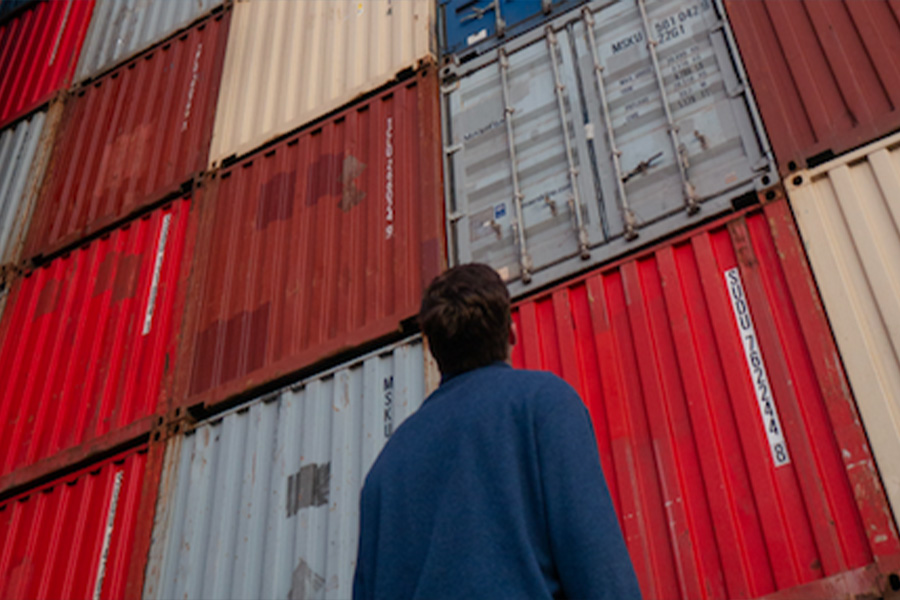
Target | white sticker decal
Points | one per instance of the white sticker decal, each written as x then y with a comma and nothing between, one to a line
107,535
757,368
157,268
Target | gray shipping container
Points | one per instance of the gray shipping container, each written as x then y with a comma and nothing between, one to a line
567,129
121,28
263,501
24,149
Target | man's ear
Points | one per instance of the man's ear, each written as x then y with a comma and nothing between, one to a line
513,335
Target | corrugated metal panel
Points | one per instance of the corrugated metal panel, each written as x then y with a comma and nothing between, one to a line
85,339
18,147
469,27
726,429
121,28
318,245
24,153
827,74
264,500
291,62
131,137
848,212
76,537
39,48
563,152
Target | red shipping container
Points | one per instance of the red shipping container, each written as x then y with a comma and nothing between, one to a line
826,75
84,343
39,49
316,245
131,138
85,535
726,428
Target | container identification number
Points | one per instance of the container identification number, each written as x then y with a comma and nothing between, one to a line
388,406
757,368
389,179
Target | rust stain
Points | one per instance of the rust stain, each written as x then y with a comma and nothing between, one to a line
350,194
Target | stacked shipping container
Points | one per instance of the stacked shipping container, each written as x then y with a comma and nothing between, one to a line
39,48
90,282
131,137
320,244
296,217
726,430
848,212
98,323
289,63
578,141
262,502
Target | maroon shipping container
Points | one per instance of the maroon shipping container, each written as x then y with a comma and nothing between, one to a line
726,429
39,49
84,343
84,535
316,245
131,137
826,74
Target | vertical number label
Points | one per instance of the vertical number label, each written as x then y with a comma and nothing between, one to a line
757,368
388,406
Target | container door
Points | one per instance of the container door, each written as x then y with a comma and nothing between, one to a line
520,196
672,122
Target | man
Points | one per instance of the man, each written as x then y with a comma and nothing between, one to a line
493,488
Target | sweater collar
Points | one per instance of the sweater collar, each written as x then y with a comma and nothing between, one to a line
500,363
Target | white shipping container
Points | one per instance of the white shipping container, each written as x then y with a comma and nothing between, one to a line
617,123
289,62
120,29
263,501
848,213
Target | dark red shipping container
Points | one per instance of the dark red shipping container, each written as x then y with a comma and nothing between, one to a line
826,73
84,343
726,429
39,49
84,535
316,245
131,137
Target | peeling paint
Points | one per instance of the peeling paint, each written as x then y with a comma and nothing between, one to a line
305,582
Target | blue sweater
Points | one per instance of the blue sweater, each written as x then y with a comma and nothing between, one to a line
492,489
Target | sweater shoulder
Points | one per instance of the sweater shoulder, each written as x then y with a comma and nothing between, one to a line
542,389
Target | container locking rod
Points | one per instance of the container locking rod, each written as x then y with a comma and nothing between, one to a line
525,263
631,231
583,249
690,194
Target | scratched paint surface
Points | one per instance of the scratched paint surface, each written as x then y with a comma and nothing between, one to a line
708,506
84,339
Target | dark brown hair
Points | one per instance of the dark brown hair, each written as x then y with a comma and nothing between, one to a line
465,315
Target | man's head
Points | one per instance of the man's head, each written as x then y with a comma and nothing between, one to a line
465,315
